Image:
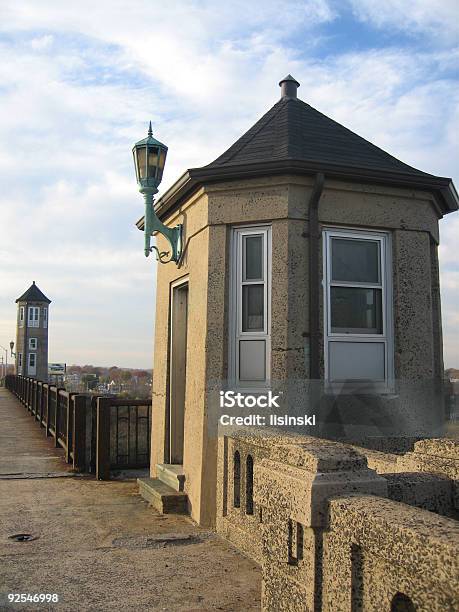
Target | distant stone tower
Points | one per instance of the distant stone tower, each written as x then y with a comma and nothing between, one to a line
32,334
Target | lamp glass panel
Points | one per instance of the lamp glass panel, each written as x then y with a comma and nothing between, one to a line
356,310
162,158
135,166
162,161
152,161
141,162
355,261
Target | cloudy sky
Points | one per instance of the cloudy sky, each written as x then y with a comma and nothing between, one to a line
80,79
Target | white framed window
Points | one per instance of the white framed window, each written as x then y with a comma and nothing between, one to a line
358,314
45,317
250,307
34,317
32,365
21,316
33,344
19,363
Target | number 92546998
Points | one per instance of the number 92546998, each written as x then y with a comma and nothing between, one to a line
33,597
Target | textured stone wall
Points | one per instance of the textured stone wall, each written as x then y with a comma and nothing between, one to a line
333,535
375,548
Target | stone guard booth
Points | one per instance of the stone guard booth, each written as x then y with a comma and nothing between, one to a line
310,263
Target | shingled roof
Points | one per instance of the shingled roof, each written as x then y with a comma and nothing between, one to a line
295,138
33,294
294,130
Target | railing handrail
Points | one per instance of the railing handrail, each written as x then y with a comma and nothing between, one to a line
129,402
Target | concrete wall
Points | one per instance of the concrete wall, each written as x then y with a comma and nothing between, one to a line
199,450
395,421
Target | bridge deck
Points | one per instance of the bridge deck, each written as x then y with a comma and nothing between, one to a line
98,545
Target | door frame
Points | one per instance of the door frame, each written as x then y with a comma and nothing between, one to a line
177,284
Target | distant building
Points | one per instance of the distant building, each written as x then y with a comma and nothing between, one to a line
32,334
73,379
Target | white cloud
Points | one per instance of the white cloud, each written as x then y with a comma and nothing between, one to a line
42,42
78,83
439,19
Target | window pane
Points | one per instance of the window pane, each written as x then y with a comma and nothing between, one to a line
252,360
253,257
357,361
356,310
355,260
252,307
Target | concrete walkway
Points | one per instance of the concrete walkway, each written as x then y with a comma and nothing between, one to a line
98,545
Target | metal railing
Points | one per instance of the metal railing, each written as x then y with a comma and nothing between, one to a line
98,434
61,414
122,435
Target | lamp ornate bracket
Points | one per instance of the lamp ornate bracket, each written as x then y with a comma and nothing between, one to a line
152,225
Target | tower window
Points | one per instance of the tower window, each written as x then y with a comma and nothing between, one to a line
250,318
32,366
32,344
358,309
21,316
34,316
45,317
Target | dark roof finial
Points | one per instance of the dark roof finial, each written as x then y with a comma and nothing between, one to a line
150,131
289,87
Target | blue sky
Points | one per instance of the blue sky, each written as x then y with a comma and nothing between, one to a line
80,80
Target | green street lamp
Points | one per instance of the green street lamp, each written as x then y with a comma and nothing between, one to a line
149,160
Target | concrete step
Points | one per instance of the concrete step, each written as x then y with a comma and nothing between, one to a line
163,498
172,475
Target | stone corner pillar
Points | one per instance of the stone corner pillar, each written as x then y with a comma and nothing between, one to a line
293,487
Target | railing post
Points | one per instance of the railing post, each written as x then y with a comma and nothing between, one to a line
48,401
55,400
57,417
79,432
40,402
103,439
34,398
68,427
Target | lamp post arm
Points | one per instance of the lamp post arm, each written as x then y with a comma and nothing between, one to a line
152,224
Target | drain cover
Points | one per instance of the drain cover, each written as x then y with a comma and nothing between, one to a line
22,537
